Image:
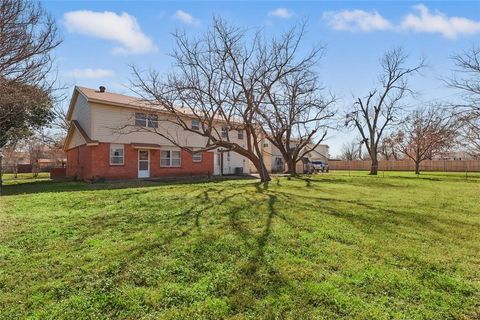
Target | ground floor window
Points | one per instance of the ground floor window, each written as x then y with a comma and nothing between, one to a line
117,154
197,157
170,158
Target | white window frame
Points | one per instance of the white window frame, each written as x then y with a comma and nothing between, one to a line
151,120
111,156
195,125
171,159
138,117
198,156
224,132
240,134
265,144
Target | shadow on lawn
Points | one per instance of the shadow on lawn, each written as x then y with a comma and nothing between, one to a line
257,277
45,186
151,232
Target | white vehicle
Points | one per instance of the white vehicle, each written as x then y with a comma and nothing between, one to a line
319,166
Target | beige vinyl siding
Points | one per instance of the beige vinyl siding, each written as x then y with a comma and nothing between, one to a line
107,123
82,113
76,140
116,125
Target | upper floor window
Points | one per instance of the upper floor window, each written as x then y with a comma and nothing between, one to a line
140,119
240,134
152,121
195,125
170,158
265,144
146,120
224,132
117,154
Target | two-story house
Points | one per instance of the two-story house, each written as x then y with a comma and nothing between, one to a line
113,136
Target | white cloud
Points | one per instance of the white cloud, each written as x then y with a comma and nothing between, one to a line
123,29
437,22
356,20
185,17
90,73
280,13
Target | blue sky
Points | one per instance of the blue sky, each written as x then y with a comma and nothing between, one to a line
102,38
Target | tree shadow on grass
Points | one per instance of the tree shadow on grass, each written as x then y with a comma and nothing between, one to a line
378,216
45,186
266,205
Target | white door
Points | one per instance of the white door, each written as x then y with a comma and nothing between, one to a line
143,163
216,163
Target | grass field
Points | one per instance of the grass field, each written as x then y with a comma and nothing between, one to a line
326,247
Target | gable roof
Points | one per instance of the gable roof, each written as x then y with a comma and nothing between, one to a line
109,98
121,100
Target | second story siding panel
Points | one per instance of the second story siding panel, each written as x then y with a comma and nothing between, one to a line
108,120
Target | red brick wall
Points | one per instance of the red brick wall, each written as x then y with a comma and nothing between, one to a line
94,162
78,162
58,173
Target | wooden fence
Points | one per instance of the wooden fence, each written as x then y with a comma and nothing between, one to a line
408,165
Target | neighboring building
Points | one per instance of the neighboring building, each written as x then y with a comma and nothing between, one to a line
272,157
38,157
102,141
320,152
275,163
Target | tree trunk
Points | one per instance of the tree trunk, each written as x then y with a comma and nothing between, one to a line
262,170
417,167
260,164
374,167
1,172
291,167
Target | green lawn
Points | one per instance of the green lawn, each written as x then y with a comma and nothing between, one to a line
331,247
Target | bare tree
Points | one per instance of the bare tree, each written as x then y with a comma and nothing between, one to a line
426,133
350,151
221,80
470,132
27,37
467,76
372,114
388,147
296,116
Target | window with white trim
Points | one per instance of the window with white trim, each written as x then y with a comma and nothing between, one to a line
224,132
240,134
195,125
146,120
170,158
197,157
152,121
117,154
140,119
265,144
